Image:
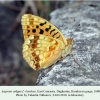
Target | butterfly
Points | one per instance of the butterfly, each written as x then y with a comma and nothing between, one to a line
44,44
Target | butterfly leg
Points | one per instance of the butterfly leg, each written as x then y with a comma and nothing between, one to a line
52,66
61,58
74,59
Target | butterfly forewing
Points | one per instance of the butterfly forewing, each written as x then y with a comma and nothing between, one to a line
36,25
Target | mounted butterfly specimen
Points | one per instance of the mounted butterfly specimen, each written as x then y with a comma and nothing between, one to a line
44,44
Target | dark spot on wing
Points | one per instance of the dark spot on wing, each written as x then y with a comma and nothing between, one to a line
58,37
54,34
41,24
41,31
52,31
37,26
47,29
34,30
28,31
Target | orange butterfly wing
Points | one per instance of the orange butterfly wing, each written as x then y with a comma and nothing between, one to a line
34,25
44,44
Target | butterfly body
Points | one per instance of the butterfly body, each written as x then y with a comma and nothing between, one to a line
43,44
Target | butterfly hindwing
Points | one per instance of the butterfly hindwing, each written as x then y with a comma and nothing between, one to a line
41,51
